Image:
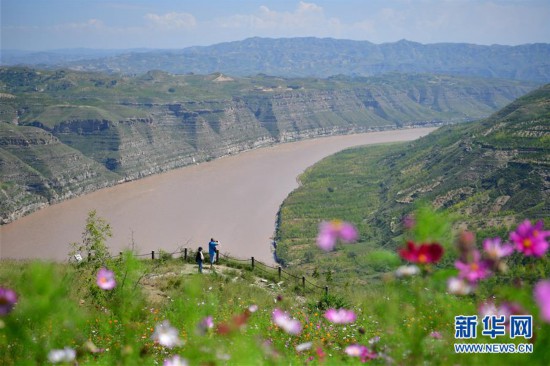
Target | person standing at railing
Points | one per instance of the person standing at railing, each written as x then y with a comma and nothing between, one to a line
212,250
199,258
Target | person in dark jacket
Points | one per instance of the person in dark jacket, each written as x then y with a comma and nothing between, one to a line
199,258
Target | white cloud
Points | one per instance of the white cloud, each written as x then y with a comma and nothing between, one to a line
171,20
306,17
429,21
87,25
127,23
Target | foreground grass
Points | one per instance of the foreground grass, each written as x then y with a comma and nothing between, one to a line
396,318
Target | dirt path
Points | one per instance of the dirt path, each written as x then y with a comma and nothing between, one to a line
153,283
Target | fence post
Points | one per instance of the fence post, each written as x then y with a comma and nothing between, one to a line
279,270
304,283
185,254
326,291
217,256
252,262
152,254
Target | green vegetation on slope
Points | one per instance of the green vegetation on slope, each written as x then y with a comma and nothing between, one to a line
487,175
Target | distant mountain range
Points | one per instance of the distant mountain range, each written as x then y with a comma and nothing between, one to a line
60,56
310,57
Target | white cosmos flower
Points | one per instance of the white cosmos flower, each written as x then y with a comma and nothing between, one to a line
62,355
407,271
457,286
166,335
303,346
175,361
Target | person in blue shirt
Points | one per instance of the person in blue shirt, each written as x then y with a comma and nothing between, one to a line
212,250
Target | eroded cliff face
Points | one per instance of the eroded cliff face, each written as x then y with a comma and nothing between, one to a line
60,150
37,169
178,134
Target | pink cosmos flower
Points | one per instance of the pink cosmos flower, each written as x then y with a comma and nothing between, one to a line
253,308
488,308
373,340
409,222
507,309
320,354
495,250
106,279
357,350
475,270
175,361
354,350
457,286
284,321
331,231
530,239
166,335
8,299
466,239
340,316
465,244
205,324
510,308
436,335
542,297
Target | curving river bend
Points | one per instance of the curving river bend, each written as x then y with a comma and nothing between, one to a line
233,199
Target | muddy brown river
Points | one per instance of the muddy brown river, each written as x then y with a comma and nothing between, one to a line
234,199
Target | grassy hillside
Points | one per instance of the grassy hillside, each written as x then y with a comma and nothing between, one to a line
486,175
119,128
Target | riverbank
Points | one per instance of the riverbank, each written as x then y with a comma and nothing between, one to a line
233,199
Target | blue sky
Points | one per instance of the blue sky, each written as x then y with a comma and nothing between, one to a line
55,24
